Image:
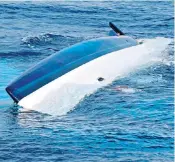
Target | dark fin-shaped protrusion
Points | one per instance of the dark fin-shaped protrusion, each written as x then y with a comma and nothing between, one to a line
118,31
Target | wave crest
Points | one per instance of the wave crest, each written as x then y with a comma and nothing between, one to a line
44,39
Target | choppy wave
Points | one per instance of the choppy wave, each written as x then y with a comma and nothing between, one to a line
45,39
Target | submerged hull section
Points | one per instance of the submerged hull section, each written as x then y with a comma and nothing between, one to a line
63,62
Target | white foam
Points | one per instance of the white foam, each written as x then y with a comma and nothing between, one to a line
129,90
126,89
63,94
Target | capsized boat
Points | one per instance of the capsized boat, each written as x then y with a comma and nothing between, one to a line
81,63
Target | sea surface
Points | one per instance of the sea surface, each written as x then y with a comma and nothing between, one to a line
110,125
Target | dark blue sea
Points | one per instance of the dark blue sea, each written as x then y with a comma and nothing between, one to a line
108,125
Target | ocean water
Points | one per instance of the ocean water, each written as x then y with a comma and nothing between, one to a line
110,125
